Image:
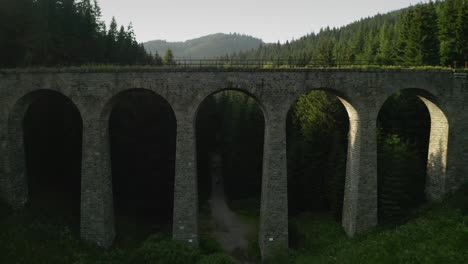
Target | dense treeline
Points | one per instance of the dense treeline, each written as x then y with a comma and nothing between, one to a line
434,33
64,32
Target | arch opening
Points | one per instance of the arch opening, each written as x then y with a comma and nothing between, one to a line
230,128
317,142
46,130
412,151
142,136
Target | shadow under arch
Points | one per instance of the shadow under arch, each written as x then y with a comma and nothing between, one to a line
238,90
327,124
230,131
45,145
428,136
140,127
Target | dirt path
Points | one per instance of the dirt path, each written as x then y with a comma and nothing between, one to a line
229,230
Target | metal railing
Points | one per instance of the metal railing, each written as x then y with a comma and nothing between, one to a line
291,64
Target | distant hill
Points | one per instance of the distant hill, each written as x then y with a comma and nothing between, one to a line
206,47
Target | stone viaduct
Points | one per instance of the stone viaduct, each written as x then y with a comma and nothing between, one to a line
362,92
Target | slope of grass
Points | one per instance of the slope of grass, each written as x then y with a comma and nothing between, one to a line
438,235
30,237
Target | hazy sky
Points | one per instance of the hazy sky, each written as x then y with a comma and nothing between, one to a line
270,20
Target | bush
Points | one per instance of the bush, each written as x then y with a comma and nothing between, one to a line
253,251
209,245
278,256
155,251
218,258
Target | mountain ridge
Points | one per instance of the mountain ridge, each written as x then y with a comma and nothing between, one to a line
205,47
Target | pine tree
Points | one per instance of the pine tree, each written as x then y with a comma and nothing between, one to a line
157,60
61,32
324,54
111,39
15,32
429,32
419,36
169,58
448,31
386,51
462,33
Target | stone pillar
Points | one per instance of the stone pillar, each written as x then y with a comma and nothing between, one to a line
4,189
437,153
97,212
185,223
274,205
360,198
13,185
457,148
13,172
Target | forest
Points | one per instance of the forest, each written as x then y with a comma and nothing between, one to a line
64,33
434,33
142,131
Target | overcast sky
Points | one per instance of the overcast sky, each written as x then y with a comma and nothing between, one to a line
270,20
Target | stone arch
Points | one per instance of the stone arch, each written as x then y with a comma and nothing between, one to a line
346,101
436,170
16,168
353,160
259,102
217,158
107,109
353,118
105,124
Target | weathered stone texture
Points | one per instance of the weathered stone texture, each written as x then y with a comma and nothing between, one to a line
362,92
185,224
97,218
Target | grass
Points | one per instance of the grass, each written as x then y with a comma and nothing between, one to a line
28,236
246,209
439,234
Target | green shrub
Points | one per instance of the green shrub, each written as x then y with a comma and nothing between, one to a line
253,251
218,258
209,245
279,255
155,251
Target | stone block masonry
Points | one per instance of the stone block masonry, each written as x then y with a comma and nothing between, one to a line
362,92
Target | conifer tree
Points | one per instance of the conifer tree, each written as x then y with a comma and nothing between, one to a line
419,36
462,33
157,60
61,32
111,39
324,53
386,48
169,57
448,31
429,32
